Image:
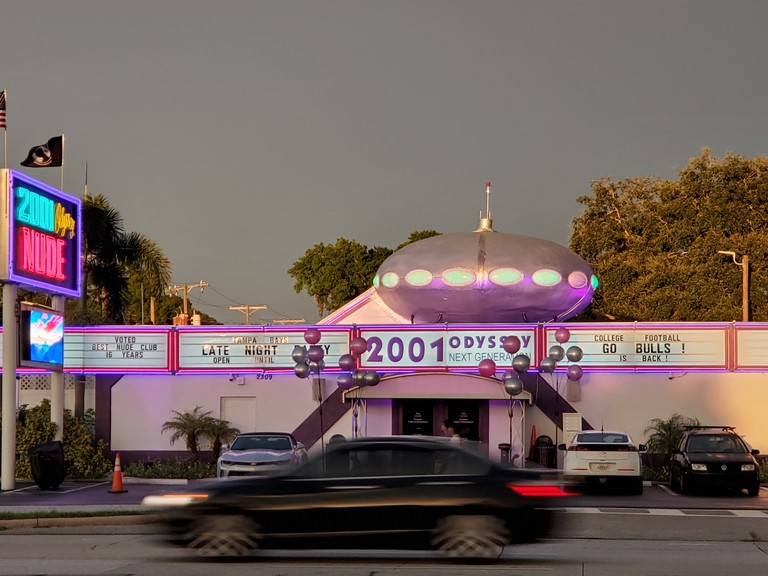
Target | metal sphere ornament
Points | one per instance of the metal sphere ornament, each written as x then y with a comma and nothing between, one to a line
358,376
556,352
574,372
301,370
358,345
521,363
316,367
574,354
312,336
547,365
487,367
511,344
345,381
513,387
562,335
299,354
371,378
315,353
347,362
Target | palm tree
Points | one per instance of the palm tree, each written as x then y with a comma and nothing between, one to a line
109,254
665,435
190,426
220,432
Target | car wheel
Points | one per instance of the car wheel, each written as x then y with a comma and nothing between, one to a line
636,487
754,490
471,536
224,536
683,485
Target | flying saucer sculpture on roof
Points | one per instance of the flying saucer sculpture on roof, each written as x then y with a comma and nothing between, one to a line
485,277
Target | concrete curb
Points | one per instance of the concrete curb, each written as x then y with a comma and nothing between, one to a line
134,519
165,481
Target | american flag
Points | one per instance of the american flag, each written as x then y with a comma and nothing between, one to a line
2,109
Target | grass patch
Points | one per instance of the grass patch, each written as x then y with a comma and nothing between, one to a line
65,514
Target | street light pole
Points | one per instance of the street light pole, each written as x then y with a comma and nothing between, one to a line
744,265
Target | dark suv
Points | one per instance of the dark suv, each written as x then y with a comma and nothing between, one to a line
714,457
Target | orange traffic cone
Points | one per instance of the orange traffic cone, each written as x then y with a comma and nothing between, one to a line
117,477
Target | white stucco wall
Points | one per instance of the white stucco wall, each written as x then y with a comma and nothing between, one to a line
141,404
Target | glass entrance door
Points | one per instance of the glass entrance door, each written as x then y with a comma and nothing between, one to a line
424,417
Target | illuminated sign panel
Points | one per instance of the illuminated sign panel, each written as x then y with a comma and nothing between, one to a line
117,350
439,347
647,347
752,346
41,338
606,347
42,229
256,350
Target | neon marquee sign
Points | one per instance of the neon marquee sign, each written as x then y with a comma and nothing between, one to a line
43,236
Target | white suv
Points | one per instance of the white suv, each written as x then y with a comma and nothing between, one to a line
604,457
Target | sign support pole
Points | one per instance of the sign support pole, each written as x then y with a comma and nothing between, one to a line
10,351
57,384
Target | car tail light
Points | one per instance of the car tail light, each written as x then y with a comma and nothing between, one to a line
578,449
538,490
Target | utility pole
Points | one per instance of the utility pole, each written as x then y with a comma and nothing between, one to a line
247,309
185,288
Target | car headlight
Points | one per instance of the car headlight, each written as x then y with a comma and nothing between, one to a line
747,467
699,467
172,500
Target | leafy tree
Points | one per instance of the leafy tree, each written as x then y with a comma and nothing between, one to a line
418,235
190,426
653,243
665,435
110,254
166,306
220,432
334,274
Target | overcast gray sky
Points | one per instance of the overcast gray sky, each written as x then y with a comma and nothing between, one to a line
239,134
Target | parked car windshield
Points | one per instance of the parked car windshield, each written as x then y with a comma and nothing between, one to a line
716,443
602,438
261,443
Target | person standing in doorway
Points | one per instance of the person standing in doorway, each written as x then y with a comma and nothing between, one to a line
448,430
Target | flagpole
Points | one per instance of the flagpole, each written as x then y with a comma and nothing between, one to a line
5,131
62,163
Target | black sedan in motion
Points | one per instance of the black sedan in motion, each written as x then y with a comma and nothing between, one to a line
379,492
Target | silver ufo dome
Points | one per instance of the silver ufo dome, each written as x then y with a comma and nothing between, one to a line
485,277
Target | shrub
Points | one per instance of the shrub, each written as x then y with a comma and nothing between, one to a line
763,470
175,468
83,454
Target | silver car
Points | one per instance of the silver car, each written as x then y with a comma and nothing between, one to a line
259,453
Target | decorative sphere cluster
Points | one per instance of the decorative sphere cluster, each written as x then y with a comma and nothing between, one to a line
521,363
311,361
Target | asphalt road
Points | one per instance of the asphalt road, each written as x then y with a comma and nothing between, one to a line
660,532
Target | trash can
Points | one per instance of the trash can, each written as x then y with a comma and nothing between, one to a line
47,462
504,448
544,451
